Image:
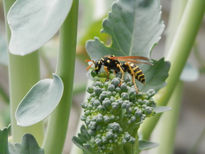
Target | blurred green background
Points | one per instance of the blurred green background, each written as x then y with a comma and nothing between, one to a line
91,13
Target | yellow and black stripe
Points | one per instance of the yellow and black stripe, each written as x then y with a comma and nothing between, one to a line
138,73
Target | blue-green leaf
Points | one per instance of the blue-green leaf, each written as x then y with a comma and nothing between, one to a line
40,101
155,75
146,145
28,146
4,141
78,142
189,73
135,27
34,22
161,109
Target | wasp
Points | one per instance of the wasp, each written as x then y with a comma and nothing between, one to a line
122,64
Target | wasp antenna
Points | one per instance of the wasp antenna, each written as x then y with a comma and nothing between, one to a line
89,67
130,57
88,60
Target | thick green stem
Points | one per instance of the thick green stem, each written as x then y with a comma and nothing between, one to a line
166,129
119,150
177,55
58,122
136,146
133,148
24,72
128,149
46,63
176,12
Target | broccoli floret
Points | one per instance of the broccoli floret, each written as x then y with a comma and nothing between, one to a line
112,114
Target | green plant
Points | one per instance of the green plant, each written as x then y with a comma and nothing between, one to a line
116,119
112,116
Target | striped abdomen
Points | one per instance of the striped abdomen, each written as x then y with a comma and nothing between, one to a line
133,69
138,73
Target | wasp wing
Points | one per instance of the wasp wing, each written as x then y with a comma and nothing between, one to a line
129,57
136,61
133,59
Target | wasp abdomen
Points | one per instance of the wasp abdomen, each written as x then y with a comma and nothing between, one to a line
138,73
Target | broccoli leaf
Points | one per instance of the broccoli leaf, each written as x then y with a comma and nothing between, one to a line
28,146
4,141
40,101
135,27
155,75
33,23
146,145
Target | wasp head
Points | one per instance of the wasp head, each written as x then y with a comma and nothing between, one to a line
97,66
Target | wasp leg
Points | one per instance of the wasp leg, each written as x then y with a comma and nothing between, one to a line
114,72
121,70
89,67
107,72
133,76
133,80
